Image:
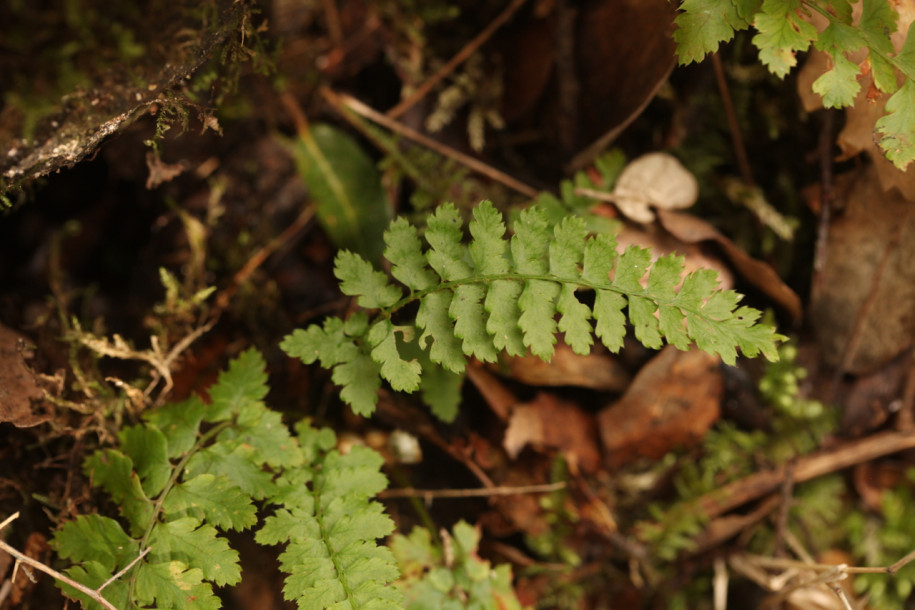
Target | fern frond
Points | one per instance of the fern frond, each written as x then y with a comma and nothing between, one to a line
491,294
329,525
180,487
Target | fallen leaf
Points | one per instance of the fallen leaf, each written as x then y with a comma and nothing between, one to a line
595,371
17,384
867,271
656,180
672,402
551,422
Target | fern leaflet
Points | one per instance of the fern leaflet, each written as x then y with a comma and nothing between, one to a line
494,294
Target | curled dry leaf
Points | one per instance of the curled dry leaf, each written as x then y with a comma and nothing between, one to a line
654,180
672,402
17,384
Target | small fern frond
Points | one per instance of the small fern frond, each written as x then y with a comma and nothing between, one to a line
330,525
493,294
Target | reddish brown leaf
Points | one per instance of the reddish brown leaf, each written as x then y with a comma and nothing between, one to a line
671,403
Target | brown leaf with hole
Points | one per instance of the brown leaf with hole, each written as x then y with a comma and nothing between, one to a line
672,402
551,422
17,384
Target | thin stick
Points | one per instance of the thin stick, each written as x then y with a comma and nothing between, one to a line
805,468
455,61
595,148
740,151
341,101
430,494
94,594
126,569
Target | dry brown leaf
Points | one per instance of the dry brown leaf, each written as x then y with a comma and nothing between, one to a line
867,272
595,371
18,387
551,422
672,402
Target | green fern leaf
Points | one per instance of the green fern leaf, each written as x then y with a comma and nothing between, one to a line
404,250
401,374
782,33
703,25
330,530
897,128
147,448
359,279
180,422
199,545
212,499
113,471
237,463
493,294
171,585
96,538
360,379
242,385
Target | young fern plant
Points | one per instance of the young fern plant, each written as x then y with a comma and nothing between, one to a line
192,471
496,294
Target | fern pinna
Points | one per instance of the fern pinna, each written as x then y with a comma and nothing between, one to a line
514,295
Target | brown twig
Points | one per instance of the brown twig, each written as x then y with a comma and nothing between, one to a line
806,468
587,155
431,494
740,151
343,103
455,61
95,594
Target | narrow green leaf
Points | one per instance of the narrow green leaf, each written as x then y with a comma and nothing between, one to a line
501,304
610,321
488,248
469,317
575,321
530,244
437,325
359,279
403,375
566,250
345,185
441,391
671,325
598,260
665,276
644,322
264,431
538,305
446,253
